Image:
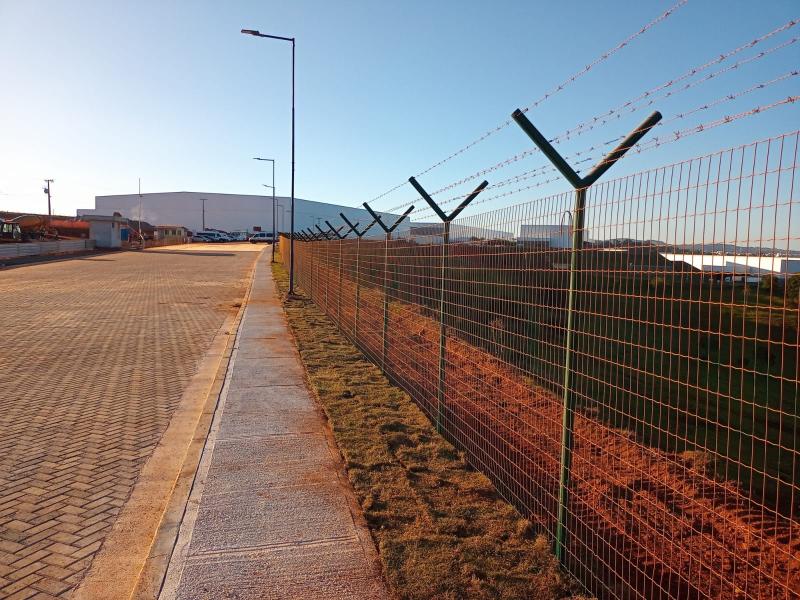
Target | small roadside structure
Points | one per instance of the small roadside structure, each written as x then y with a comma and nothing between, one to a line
106,230
171,234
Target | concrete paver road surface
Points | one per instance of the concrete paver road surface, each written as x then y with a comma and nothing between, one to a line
95,354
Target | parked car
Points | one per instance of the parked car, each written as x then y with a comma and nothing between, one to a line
261,237
210,237
239,236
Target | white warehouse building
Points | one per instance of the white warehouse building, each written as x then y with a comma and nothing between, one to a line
743,265
229,212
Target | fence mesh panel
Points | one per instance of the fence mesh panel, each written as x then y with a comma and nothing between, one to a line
685,467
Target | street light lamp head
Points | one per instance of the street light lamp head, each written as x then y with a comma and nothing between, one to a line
251,31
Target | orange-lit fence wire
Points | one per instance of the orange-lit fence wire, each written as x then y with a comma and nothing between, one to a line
685,475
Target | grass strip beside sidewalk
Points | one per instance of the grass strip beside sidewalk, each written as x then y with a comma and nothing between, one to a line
440,527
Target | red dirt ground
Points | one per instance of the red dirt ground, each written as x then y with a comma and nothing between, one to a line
644,523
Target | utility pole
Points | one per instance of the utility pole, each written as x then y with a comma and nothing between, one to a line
141,237
49,207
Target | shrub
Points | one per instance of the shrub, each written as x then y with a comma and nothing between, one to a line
658,283
793,288
770,284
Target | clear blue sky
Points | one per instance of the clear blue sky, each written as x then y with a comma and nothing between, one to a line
96,94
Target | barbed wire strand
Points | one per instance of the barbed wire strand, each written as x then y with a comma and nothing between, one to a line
704,106
638,149
549,94
563,136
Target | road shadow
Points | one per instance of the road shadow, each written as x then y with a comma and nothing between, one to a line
191,252
15,263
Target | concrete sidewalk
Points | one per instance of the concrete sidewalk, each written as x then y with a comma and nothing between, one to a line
271,513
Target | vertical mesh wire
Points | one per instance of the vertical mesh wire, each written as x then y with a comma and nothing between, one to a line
685,466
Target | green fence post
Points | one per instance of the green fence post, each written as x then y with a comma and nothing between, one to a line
358,289
359,235
325,265
446,220
339,293
388,230
568,407
337,233
581,185
311,287
442,328
385,336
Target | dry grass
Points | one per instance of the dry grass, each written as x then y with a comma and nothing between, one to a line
440,527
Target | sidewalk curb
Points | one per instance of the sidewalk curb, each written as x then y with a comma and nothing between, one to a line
133,558
184,528
365,537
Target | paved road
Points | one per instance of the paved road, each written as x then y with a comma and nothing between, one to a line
272,514
94,355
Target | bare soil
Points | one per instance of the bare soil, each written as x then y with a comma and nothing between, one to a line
643,523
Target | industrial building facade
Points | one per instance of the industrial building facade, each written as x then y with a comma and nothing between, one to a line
228,212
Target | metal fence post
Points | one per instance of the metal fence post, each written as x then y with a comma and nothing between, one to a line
312,237
337,233
388,230
446,219
441,375
384,336
581,185
339,293
358,289
311,286
326,237
327,272
359,235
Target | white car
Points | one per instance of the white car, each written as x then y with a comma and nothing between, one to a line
262,237
211,236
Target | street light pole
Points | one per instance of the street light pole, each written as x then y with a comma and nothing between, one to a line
141,237
274,239
257,33
273,218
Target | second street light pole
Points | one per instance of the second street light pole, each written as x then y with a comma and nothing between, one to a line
257,33
273,218
274,238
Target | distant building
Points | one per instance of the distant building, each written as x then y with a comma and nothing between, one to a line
744,266
432,233
228,212
555,236
171,234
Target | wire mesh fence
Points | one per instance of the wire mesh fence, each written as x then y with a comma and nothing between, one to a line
684,432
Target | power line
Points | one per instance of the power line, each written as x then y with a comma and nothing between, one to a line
549,94
653,143
630,107
603,119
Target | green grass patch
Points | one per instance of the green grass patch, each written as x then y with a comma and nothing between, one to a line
440,527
